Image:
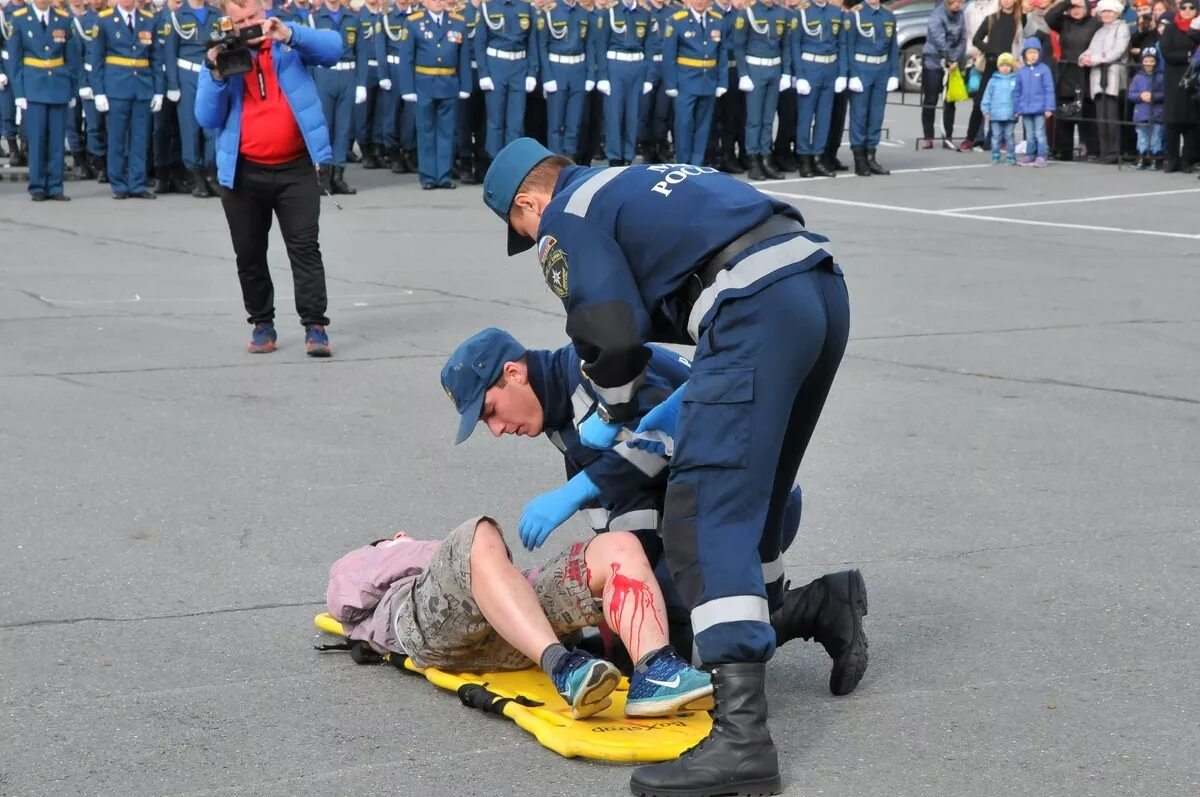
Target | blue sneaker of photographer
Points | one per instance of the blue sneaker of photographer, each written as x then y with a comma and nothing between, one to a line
262,339
586,682
664,684
316,341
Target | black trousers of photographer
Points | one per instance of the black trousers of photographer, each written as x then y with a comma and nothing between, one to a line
290,192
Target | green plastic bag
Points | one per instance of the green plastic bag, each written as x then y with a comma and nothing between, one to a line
956,87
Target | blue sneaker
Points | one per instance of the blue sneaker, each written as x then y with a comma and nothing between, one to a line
665,685
262,339
585,683
316,341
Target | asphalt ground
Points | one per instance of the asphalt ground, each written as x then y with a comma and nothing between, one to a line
1009,454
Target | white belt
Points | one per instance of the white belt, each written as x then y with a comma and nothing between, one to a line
505,55
393,59
613,55
555,58
372,62
342,66
474,64
818,59
656,57
870,59
755,61
183,63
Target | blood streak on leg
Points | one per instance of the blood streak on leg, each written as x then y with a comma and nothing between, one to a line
575,572
627,594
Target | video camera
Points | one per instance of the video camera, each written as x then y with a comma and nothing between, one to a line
234,59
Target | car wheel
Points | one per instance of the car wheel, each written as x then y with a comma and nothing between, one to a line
910,67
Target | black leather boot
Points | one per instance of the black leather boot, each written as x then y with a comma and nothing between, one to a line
861,168
833,164
737,757
100,164
200,185
16,156
786,162
804,165
756,170
337,181
820,169
467,172
371,157
324,175
830,611
210,179
732,165
80,169
873,164
766,168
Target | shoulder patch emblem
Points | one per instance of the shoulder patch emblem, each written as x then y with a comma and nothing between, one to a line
740,23
554,265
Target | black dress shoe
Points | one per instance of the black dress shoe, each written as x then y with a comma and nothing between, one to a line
448,184
38,197
427,186
120,195
147,194
59,198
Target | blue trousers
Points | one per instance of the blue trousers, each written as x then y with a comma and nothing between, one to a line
867,106
45,128
336,90
399,127
564,108
368,120
8,113
505,104
760,109
655,110
74,125
762,370
621,109
95,128
814,111
693,119
196,143
128,144
435,138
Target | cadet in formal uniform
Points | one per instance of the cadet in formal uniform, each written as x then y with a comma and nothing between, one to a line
873,66
729,111
784,146
43,85
399,124
367,118
76,119
340,87
128,80
97,147
9,130
506,52
167,143
841,100
620,47
679,254
591,129
472,112
764,64
562,30
654,114
695,75
817,44
189,28
435,73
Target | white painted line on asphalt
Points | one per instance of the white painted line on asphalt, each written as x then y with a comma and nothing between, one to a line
947,214
853,176
1078,200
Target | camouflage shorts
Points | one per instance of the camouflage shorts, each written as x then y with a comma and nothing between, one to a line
440,625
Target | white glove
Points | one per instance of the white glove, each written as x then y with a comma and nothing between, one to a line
893,83
385,85
3,81
589,85
486,84
647,87
84,93
173,95
785,82
803,87
71,103
21,103
413,97
101,103
672,93
855,85
156,103
530,84
839,85
745,83
721,91
464,95
550,86
605,87
360,95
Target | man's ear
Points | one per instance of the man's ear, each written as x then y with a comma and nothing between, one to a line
516,372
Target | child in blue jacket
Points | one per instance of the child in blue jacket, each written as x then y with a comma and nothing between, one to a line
1035,102
999,108
1147,90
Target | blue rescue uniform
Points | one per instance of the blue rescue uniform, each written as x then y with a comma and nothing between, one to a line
43,69
818,55
628,251
337,84
760,46
872,56
622,41
562,31
435,64
189,29
506,53
694,65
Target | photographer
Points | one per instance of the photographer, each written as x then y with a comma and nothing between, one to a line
270,133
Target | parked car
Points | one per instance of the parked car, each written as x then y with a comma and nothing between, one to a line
912,22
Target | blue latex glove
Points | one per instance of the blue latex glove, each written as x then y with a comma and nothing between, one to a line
595,433
660,419
550,510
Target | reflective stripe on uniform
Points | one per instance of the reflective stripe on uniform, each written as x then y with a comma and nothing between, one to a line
647,462
638,520
581,200
596,518
735,608
753,268
621,394
772,570
119,60
581,404
556,438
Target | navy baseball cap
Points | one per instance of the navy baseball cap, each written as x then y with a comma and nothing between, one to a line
474,367
510,168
